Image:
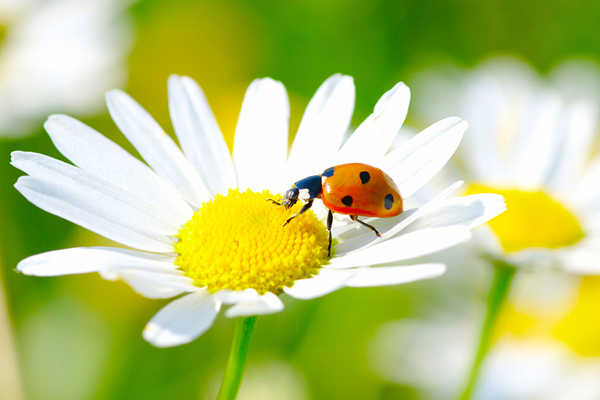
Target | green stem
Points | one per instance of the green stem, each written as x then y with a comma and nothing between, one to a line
236,365
503,276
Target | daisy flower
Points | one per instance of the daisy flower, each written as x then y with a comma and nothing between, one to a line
198,221
59,55
531,142
433,355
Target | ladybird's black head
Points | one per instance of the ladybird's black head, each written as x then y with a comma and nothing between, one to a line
305,189
290,197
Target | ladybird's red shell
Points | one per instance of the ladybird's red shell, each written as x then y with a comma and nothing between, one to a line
362,190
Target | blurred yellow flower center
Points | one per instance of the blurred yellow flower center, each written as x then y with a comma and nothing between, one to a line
532,219
239,242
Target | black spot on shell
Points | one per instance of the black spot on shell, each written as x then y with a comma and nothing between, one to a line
328,173
347,200
389,201
365,177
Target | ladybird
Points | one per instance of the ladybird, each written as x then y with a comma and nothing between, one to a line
355,189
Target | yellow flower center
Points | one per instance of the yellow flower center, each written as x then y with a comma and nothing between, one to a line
238,242
532,219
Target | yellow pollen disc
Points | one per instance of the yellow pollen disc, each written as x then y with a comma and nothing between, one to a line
239,242
532,219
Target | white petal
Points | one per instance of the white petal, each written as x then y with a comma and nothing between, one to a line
261,136
411,245
325,121
153,281
468,211
584,261
93,203
415,162
538,141
156,285
156,146
227,296
199,134
352,241
261,305
386,276
489,110
586,193
373,138
62,262
95,258
182,320
96,154
327,281
581,123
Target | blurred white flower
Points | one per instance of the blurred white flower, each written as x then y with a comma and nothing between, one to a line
59,55
531,140
538,369
434,357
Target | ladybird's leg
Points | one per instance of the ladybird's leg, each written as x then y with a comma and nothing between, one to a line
329,223
278,202
304,209
355,218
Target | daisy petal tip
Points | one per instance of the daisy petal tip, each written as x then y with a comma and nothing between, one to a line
14,156
436,270
21,183
347,78
114,94
268,85
188,82
56,263
23,268
56,118
162,337
52,120
398,96
343,80
340,80
403,87
182,320
176,82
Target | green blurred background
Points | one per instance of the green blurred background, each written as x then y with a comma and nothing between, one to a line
79,337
